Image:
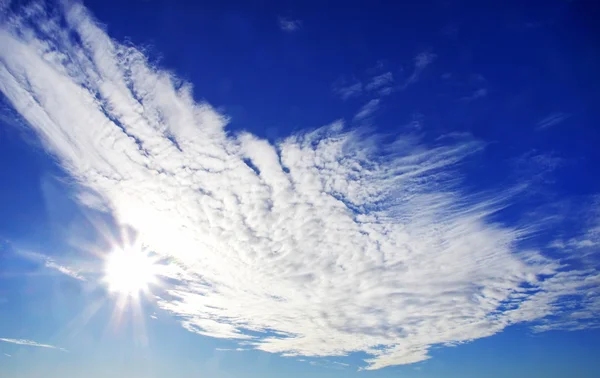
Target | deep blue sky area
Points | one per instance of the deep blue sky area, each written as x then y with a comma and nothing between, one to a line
532,60
491,108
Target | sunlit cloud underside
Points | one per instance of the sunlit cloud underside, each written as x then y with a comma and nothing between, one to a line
319,245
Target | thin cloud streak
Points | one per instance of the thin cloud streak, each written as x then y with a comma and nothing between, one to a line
552,120
421,61
230,350
31,343
52,264
63,269
320,245
346,91
477,94
380,81
367,110
381,85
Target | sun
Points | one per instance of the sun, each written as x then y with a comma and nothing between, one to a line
129,271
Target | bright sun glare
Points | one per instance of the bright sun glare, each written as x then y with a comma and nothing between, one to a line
129,271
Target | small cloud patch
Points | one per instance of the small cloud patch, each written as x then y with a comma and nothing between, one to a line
289,25
552,120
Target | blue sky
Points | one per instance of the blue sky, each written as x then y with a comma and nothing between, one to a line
301,189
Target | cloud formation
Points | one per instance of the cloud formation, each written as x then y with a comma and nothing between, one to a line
380,82
586,241
52,264
230,350
289,25
31,343
383,84
421,62
367,110
325,243
477,94
552,120
347,90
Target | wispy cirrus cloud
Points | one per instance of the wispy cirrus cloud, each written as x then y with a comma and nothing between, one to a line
379,82
379,85
552,120
328,364
473,87
323,244
477,94
367,110
586,240
51,263
288,24
537,167
346,90
421,62
31,343
230,349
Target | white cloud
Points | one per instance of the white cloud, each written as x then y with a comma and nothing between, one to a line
63,269
586,241
367,110
340,364
377,67
31,343
537,168
52,264
320,245
424,59
421,61
552,120
289,25
380,81
345,90
230,349
381,85
324,363
477,94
